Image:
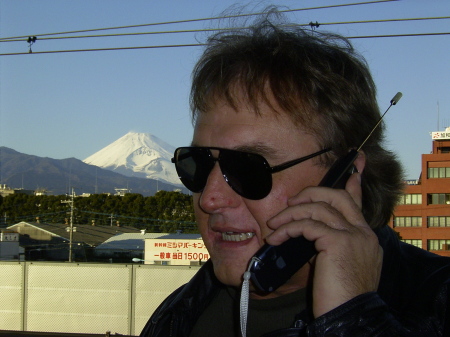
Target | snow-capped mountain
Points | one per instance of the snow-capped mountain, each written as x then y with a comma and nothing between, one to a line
138,155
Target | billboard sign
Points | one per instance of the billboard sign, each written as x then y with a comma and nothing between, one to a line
175,251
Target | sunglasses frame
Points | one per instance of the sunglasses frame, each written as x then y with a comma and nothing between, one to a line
269,169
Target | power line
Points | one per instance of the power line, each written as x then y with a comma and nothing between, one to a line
202,19
107,49
140,218
121,34
397,35
384,21
221,29
202,44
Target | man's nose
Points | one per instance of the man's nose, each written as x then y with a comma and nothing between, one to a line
217,193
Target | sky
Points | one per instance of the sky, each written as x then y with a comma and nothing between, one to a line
73,104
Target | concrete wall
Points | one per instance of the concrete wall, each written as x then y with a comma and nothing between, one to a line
84,297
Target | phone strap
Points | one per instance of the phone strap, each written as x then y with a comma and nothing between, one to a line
245,292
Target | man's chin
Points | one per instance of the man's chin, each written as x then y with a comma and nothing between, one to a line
230,276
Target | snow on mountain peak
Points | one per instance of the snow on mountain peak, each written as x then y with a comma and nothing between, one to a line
138,155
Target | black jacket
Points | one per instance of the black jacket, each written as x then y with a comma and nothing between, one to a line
413,299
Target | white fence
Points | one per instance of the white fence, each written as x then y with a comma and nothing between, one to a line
84,297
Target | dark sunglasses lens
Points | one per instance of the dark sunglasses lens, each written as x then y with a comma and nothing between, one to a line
246,173
193,166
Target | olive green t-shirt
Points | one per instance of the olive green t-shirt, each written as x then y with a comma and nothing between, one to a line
221,317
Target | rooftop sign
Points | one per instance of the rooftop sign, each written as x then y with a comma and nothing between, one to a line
440,135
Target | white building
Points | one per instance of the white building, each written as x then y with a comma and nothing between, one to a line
126,245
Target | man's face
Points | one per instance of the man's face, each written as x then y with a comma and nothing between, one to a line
233,228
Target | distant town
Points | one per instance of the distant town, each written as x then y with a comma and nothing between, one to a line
76,227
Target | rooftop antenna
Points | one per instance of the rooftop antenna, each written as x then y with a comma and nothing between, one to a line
438,116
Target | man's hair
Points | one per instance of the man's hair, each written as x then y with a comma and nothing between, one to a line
318,80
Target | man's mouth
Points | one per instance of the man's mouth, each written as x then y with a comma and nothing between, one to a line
233,236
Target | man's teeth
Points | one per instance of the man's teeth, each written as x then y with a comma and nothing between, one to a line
232,236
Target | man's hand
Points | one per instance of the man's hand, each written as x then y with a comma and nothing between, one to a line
349,256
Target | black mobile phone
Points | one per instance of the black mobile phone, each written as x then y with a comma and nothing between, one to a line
273,266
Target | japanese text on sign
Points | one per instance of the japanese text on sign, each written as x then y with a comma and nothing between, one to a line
440,135
176,251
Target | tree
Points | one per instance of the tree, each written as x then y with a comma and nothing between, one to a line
163,212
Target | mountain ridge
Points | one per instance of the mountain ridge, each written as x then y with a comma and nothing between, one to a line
59,175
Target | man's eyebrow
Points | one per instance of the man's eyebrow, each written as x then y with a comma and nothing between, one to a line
256,148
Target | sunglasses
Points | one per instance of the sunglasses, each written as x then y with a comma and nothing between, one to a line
248,174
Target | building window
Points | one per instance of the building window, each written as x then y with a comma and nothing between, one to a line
438,221
408,221
410,199
439,172
438,244
444,149
414,242
438,198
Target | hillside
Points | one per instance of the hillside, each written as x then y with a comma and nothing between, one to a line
58,176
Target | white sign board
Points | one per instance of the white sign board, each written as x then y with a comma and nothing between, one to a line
440,135
9,237
175,251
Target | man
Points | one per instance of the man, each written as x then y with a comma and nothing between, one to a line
262,97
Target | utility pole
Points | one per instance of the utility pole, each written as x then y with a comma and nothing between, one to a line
112,217
70,202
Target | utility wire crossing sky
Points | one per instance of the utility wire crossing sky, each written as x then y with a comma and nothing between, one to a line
98,70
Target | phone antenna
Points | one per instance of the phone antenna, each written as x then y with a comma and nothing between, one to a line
394,101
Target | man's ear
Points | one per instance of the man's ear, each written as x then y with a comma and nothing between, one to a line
360,161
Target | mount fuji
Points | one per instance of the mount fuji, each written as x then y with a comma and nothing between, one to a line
139,155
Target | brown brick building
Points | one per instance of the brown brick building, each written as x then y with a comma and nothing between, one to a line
422,217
